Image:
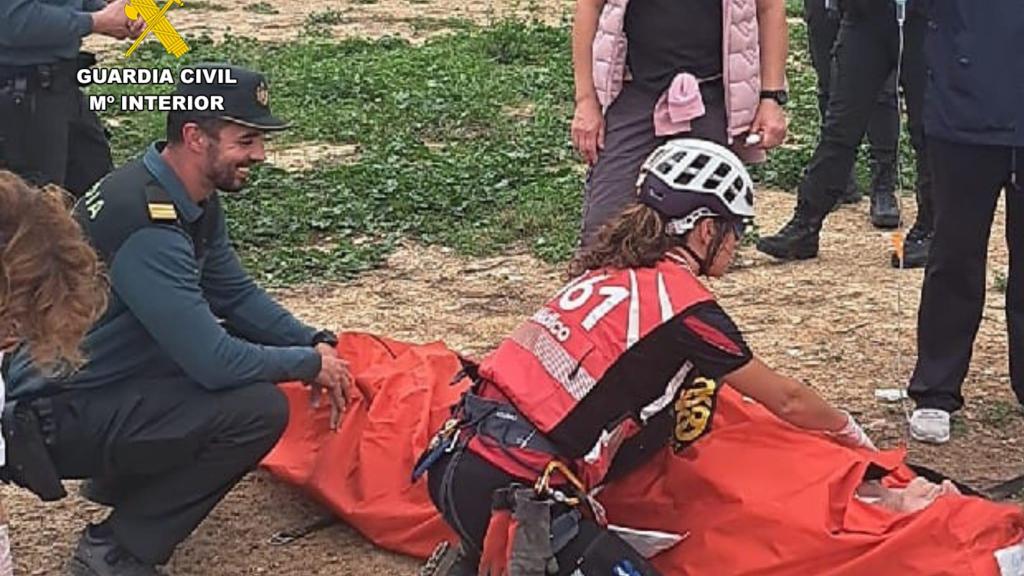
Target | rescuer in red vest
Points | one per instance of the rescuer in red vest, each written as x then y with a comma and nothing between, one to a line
625,359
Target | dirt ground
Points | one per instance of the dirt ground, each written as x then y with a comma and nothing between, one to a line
832,322
285,20
844,323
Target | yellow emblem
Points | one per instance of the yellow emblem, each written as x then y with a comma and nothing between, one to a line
263,94
156,22
162,212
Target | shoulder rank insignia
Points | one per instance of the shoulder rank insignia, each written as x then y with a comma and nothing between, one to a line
162,212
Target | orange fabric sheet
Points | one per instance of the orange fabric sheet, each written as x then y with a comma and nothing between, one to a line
754,495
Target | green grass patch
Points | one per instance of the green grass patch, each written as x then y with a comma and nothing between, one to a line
446,156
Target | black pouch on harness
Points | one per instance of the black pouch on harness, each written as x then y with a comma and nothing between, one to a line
29,464
609,555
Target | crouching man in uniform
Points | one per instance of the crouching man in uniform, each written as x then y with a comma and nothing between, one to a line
176,401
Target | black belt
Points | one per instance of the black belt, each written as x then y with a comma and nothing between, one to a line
44,75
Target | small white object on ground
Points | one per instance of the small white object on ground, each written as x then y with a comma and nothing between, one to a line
890,394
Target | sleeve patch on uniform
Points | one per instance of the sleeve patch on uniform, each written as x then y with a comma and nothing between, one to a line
162,212
712,335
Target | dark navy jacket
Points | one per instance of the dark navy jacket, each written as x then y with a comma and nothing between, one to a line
43,31
181,304
975,53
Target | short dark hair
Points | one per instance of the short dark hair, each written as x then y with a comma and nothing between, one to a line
176,122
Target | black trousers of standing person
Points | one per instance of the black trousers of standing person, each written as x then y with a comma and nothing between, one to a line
173,449
883,126
866,54
968,182
48,134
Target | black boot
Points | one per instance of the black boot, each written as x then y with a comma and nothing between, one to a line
885,210
797,240
915,248
98,554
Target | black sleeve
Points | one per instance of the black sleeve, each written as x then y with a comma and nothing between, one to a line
712,341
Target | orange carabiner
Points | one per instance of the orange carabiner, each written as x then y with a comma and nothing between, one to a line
543,484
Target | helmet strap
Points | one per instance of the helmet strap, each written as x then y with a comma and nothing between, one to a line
704,264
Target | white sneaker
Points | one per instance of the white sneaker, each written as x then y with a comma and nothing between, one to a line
930,425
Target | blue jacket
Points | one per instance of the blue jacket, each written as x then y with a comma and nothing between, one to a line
181,305
43,31
975,54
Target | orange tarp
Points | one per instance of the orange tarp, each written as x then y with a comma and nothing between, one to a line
755,496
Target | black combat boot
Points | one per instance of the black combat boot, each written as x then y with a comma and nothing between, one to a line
98,554
915,248
797,240
885,209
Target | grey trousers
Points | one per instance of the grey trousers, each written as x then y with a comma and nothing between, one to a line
629,139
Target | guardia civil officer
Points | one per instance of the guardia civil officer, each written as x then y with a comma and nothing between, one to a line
177,398
974,122
47,132
822,18
867,51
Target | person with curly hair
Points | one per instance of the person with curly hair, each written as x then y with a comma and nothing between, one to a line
52,288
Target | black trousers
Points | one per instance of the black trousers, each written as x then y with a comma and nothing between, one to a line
47,132
968,182
173,448
866,56
466,507
883,126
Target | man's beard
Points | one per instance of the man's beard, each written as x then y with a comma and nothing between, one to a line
225,176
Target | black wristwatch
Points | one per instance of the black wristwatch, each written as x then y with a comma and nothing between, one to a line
780,96
325,337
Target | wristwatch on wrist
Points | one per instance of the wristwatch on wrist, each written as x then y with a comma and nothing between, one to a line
780,96
325,337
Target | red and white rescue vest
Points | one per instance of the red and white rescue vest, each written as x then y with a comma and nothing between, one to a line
557,358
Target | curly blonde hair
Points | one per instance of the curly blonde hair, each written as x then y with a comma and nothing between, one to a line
52,286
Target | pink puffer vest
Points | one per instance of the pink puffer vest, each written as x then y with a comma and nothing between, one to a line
741,70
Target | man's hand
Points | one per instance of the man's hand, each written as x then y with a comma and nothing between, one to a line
335,378
588,128
113,21
136,27
770,123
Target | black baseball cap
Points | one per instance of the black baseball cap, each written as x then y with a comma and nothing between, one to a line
246,94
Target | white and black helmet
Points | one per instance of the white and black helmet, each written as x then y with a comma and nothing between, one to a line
687,179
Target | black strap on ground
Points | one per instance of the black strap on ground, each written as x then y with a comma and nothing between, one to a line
1003,491
1008,489
288,536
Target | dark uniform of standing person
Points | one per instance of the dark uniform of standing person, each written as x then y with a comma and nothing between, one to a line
47,132
974,121
867,52
176,401
822,18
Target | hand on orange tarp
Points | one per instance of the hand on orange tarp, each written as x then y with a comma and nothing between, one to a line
336,379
